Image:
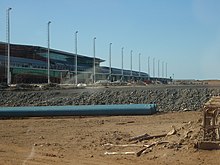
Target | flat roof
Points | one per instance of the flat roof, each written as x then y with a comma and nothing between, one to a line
55,51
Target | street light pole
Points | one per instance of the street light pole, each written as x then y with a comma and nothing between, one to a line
76,58
131,62
94,60
122,64
149,65
166,69
162,69
153,67
158,68
139,65
48,52
8,37
110,60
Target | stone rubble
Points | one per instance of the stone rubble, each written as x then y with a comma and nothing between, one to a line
167,99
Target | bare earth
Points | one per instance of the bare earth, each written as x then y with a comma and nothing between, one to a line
82,140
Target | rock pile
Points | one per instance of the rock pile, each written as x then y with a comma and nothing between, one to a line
170,99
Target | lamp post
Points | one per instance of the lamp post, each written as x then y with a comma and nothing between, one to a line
48,52
122,64
76,58
149,65
139,65
110,60
8,37
158,68
131,61
94,60
166,69
162,69
153,67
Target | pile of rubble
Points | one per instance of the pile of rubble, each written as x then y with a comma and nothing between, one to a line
171,99
203,134
177,139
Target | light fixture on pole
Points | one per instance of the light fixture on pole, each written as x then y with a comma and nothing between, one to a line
122,64
166,69
158,68
139,65
110,60
48,52
153,67
94,60
149,65
131,61
76,60
8,38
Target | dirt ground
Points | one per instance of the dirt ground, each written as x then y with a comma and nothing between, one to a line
86,140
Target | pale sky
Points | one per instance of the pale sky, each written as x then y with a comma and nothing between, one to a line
183,33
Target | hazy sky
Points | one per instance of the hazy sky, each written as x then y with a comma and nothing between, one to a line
183,33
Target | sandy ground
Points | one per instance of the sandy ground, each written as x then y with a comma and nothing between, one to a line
82,140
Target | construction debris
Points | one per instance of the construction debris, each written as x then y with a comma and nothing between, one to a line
139,153
147,137
140,138
211,126
125,145
208,145
143,151
210,123
187,135
120,153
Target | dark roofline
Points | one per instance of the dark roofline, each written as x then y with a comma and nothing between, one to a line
133,71
55,51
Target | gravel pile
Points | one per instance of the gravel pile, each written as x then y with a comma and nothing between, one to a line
166,99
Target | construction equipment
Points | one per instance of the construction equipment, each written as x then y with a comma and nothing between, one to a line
210,122
211,125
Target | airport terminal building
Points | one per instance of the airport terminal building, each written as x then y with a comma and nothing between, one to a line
28,64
